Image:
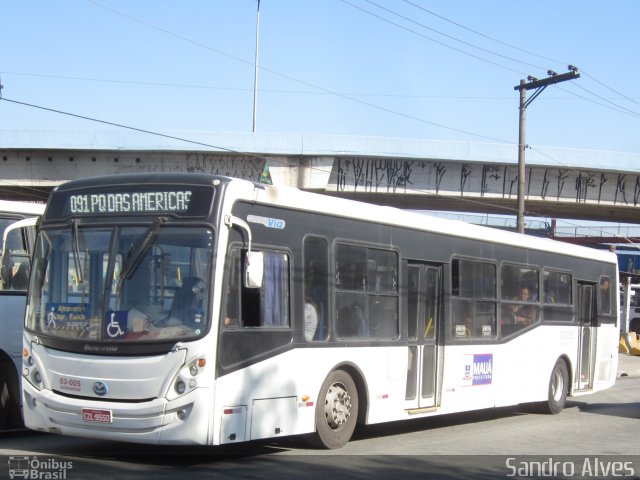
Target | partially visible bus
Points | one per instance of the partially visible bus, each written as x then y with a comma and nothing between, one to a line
629,266
17,235
632,321
197,309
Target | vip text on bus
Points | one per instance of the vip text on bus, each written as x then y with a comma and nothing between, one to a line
197,309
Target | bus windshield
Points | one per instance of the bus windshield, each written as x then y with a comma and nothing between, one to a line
122,283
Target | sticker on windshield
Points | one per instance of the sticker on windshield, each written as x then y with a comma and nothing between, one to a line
267,222
66,316
115,324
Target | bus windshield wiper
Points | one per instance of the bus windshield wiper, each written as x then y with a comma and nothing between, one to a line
76,251
136,256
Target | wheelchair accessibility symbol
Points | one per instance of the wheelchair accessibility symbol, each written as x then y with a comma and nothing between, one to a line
113,329
117,325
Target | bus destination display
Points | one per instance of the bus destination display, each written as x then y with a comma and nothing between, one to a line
135,202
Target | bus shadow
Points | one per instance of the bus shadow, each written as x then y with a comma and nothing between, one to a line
622,410
227,456
29,441
432,423
107,460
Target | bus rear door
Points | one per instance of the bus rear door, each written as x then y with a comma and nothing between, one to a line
587,321
424,296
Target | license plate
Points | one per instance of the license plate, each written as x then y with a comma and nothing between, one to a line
98,416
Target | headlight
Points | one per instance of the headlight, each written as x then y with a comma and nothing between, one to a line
180,386
185,380
30,371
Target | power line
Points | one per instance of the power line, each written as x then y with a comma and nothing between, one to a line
314,92
625,110
220,148
239,89
432,39
318,88
119,125
591,100
430,12
530,53
447,35
482,203
303,82
610,88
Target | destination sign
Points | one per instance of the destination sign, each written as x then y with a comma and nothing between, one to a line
192,201
137,202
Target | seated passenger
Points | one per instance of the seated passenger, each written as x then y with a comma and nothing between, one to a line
508,314
310,319
525,314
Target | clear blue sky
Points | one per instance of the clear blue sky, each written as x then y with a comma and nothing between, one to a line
327,66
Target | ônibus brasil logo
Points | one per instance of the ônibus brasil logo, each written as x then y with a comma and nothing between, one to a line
38,468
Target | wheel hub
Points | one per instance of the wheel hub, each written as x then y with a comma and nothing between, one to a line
337,406
557,386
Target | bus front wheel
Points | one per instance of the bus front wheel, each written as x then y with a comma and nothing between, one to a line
5,401
558,389
336,410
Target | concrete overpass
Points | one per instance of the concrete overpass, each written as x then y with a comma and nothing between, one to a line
407,173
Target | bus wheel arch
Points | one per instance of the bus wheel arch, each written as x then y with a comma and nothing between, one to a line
340,406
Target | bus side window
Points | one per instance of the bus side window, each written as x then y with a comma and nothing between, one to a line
316,289
267,306
604,297
473,305
557,298
520,298
366,304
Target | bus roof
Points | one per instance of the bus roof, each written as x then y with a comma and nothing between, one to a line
24,208
291,197
422,221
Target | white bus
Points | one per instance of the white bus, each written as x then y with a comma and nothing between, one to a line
196,309
17,236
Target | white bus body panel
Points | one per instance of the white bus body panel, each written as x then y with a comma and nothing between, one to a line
138,397
154,422
128,378
606,356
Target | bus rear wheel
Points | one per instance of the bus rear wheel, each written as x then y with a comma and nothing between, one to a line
558,389
336,410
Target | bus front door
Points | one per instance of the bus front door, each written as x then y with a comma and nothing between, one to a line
587,318
424,293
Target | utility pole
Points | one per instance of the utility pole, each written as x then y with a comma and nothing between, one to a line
255,73
539,86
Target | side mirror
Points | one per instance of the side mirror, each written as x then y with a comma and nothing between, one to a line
254,270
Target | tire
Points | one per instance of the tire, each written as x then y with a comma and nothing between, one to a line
5,401
558,389
336,411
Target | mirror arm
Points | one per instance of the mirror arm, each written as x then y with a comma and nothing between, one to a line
230,221
254,269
